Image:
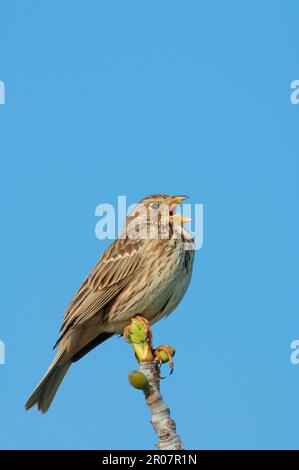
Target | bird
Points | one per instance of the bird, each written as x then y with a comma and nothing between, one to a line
145,272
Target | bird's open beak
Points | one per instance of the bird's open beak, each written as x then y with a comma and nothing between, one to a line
172,208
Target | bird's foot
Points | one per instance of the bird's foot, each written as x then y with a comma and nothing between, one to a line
164,354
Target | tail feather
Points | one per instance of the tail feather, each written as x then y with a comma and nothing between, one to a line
44,393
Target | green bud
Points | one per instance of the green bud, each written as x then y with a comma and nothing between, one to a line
137,379
137,332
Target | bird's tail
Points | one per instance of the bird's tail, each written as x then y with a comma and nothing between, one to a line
44,393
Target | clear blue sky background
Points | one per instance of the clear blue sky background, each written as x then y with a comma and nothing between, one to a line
137,97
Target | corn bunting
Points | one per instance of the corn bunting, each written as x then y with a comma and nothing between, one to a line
145,272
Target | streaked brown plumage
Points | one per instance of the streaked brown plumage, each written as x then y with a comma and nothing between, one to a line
146,271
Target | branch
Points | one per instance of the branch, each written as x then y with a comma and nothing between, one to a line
147,379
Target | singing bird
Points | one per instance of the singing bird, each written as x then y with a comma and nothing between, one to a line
145,271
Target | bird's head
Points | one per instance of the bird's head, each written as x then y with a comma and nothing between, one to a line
157,210
164,206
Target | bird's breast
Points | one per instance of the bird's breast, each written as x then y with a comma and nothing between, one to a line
159,286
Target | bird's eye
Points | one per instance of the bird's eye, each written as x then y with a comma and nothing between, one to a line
155,207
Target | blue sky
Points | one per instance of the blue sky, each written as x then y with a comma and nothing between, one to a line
105,98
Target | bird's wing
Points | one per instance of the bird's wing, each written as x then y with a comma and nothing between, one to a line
118,265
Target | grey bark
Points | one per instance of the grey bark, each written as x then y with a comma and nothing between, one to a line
162,423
